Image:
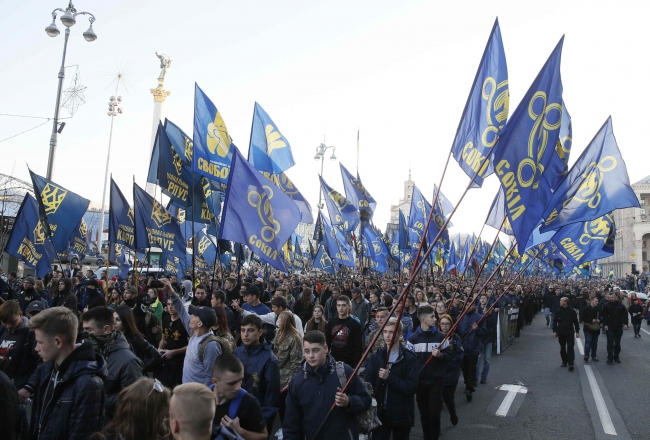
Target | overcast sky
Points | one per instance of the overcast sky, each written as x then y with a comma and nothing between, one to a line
399,71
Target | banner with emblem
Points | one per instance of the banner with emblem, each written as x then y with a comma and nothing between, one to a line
597,184
526,149
29,240
587,241
155,226
341,211
376,250
485,113
118,256
323,261
498,213
174,176
213,146
283,182
62,210
205,248
335,243
357,194
80,240
257,212
418,215
120,219
181,142
269,150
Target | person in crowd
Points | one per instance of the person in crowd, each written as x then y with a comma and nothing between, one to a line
114,299
18,355
304,306
360,308
433,352
406,321
236,409
485,343
452,368
28,293
142,413
68,389
232,289
203,347
330,304
472,331
219,299
145,319
172,347
636,314
200,298
615,319
373,299
191,412
129,296
287,347
122,364
34,308
9,408
317,321
590,316
262,371
93,297
565,321
412,310
147,353
394,385
421,298
156,307
344,334
278,305
318,377
64,296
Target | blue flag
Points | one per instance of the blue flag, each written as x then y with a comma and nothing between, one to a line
29,240
117,255
485,113
188,228
597,184
377,252
257,213
269,150
61,209
453,257
335,243
498,213
120,219
312,251
283,182
587,241
357,194
181,142
80,240
155,226
213,146
342,212
205,248
174,176
558,169
527,148
418,215
402,231
323,261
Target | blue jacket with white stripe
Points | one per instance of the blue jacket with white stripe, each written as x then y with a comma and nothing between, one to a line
422,342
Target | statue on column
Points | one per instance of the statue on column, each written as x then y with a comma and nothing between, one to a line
165,62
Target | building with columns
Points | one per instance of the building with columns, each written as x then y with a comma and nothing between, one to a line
632,243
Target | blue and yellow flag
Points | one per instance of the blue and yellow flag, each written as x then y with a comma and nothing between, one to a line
342,212
417,217
597,184
526,149
29,240
213,146
61,209
336,243
205,248
611,273
174,175
498,213
181,142
155,226
453,257
558,169
312,251
118,256
323,261
121,222
257,212
283,182
485,113
269,150
357,194
587,241
377,251
80,239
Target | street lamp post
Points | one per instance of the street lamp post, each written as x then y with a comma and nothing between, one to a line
68,19
113,110
320,155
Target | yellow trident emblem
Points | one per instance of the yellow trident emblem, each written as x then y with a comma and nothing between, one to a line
129,214
159,215
83,228
39,233
599,229
178,163
265,212
204,243
218,138
189,147
593,179
118,250
52,197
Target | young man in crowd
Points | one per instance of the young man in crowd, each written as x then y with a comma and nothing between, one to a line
28,293
68,389
278,305
197,323
173,346
200,296
344,335
236,408
426,342
360,308
262,370
18,356
394,386
219,299
191,411
122,364
615,319
312,392
330,304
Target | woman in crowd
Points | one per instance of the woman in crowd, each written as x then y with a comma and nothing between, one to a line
452,374
421,298
114,299
317,322
636,313
304,306
287,346
142,413
221,330
156,306
147,353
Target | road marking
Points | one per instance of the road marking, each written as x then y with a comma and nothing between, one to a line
603,413
512,390
645,331
581,348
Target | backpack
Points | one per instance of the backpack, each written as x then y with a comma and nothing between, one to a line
368,420
226,345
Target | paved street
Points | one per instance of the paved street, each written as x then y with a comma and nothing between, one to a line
558,404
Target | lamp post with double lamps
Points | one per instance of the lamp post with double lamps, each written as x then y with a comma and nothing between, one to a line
69,18
320,155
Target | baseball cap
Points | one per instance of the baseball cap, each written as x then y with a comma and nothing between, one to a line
259,280
205,314
35,306
93,283
252,290
356,290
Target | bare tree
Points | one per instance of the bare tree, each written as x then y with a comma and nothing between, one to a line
12,193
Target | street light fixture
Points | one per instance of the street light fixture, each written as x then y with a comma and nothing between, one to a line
69,19
320,155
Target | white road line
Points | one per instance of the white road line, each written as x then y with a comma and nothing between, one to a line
581,348
512,390
603,413
645,331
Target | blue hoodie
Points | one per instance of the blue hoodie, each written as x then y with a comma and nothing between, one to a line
471,339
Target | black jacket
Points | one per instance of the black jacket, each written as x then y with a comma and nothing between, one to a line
614,315
565,321
147,353
421,343
395,395
124,368
25,359
588,315
310,397
73,406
